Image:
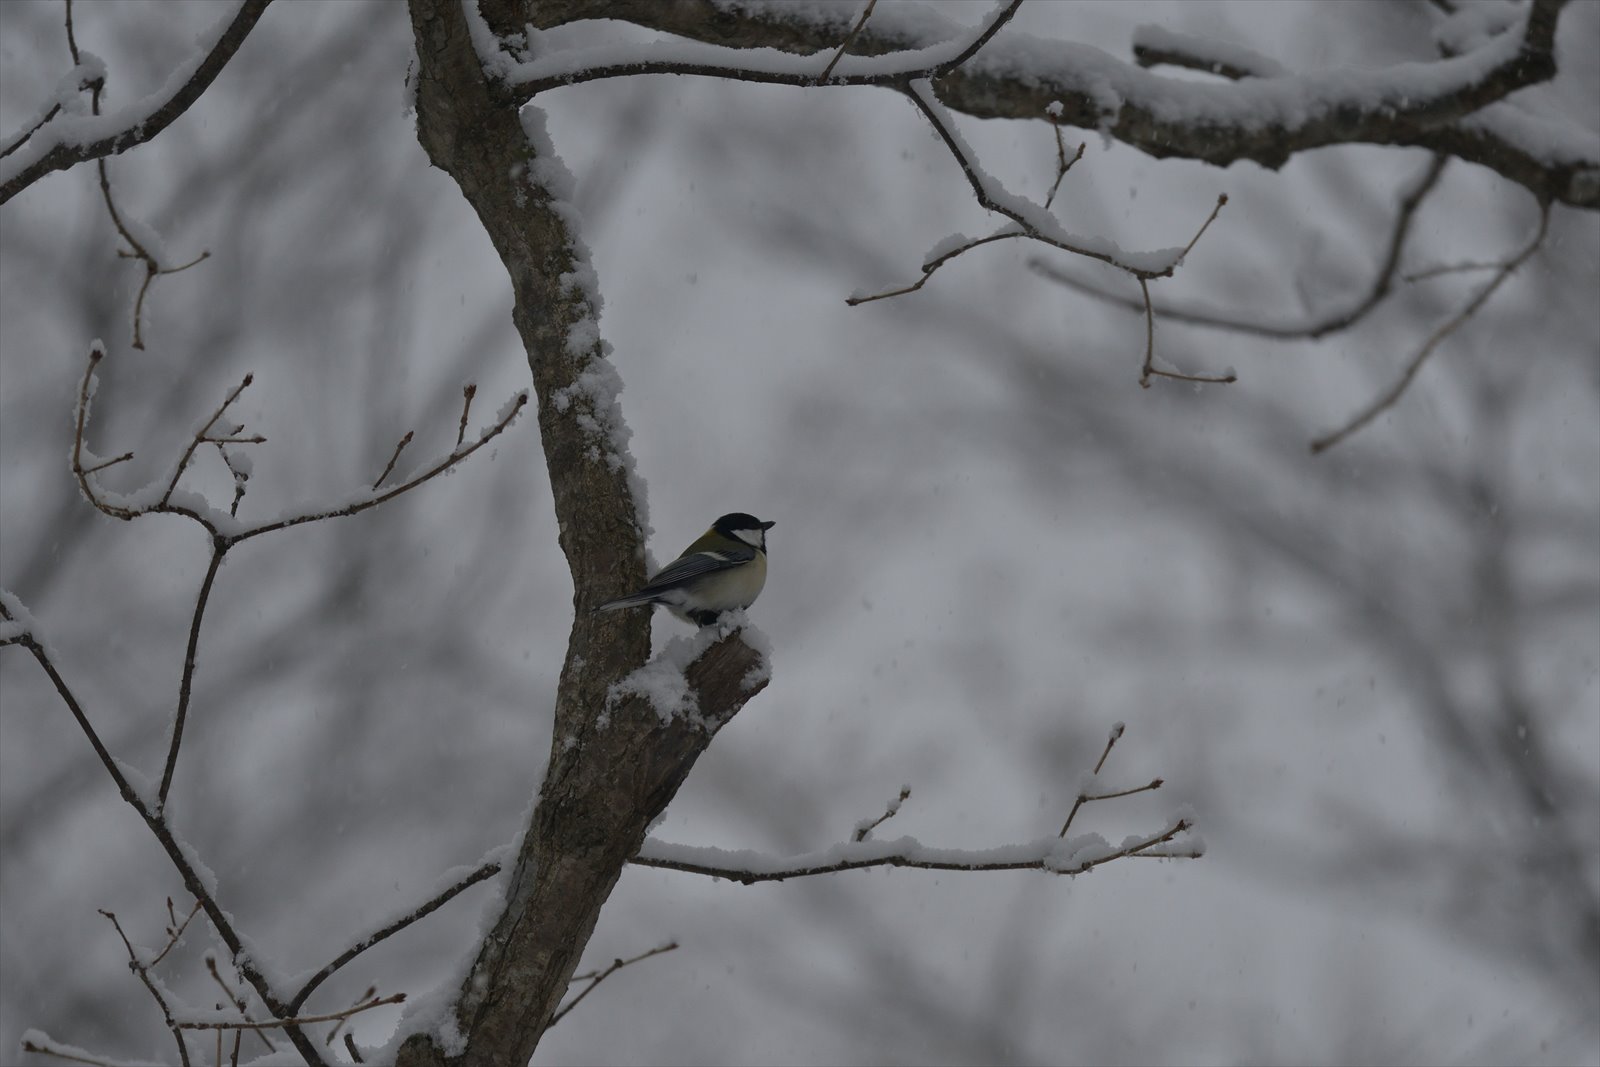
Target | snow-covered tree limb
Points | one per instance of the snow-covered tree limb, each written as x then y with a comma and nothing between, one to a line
66,140
1454,105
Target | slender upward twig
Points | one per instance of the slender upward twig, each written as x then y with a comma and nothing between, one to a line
487,870
594,978
866,13
138,967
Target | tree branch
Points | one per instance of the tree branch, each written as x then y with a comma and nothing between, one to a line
1047,854
69,140
1442,105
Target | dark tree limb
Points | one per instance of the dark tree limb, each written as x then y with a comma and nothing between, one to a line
1457,120
614,763
65,154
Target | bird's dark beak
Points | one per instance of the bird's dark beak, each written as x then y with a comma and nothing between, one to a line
768,525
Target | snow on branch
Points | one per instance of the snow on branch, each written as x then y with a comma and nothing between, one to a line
1057,854
64,139
1035,222
1448,104
532,76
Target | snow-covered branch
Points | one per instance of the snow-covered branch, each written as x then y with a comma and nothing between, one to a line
1449,105
1057,855
65,139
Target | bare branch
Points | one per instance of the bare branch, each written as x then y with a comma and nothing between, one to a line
468,391
594,978
219,549
1333,322
864,829
406,440
192,882
1387,400
483,872
866,13
144,125
138,967
225,536
303,1020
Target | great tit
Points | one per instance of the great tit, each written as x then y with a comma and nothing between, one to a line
723,570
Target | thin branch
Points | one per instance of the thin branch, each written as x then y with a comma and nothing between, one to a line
594,978
864,829
302,1020
62,1054
238,1002
406,440
138,967
65,154
1111,741
861,22
455,457
1387,399
891,73
997,20
201,436
468,391
192,882
98,467
1333,322
1063,164
912,857
219,548
205,436
175,930
350,1047
932,265
433,904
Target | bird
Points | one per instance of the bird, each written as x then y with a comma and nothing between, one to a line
724,569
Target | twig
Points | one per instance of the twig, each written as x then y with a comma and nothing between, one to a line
70,152
1222,200
238,1002
406,440
175,930
487,870
202,436
143,972
594,978
350,1046
468,391
866,13
864,829
371,992
219,548
1387,399
62,1054
1334,322
1111,741
192,882
904,859
1063,164
234,535
303,1020
932,265
1083,797
136,249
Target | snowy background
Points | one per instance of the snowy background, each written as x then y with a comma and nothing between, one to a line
991,545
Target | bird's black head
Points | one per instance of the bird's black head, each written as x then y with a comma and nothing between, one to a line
743,527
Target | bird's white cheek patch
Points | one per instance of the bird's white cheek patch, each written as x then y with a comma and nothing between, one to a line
753,538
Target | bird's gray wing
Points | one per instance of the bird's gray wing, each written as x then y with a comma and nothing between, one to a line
694,564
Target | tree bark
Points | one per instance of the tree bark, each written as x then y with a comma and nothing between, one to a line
614,763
